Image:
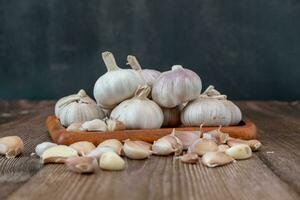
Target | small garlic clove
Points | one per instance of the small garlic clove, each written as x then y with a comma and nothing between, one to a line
97,153
94,125
202,146
42,147
239,151
217,135
254,144
82,164
111,161
191,158
11,146
187,137
115,125
214,159
83,147
58,154
136,149
223,147
114,143
167,145
74,127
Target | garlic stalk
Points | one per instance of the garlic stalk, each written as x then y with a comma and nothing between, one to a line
171,116
136,149
167,145
212,109
139,112
11,146
116,84
94,125
176,87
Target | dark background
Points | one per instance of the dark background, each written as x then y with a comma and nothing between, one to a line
248,49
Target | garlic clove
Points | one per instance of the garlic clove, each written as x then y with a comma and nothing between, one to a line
115,125
11,146
82,164
217,135
97,153
83,147
136,149
223,147
191,158
254,144
42,147
239,151
58,154
187,137
214,159
113,143
202,146
94,125
74,127
167,145
111,161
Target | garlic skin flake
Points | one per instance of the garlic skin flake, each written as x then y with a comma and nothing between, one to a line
239,151
212,109
202,146
116,84
167,145
214,159
171,117
176,86
111,161
11,146
77,108
82,165
136,149
83,147
139,112
58,154
94,125
42,147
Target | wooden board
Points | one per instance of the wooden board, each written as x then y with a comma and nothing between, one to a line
245,130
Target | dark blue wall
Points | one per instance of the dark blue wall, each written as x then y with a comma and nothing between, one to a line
249,49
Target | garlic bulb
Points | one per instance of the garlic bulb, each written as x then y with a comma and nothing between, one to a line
176,86
149,75
171,117
211,109
116,84
77,108
139,112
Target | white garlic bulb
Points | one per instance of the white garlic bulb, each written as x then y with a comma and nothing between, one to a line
171,116
211,109
139,112
149,75
77,108
116,84
176,86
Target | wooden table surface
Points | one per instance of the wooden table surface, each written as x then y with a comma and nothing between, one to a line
272,173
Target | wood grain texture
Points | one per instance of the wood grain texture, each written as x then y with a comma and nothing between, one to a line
272,173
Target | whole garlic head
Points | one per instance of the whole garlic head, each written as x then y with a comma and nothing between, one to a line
139,112
77,108
176,86
116,84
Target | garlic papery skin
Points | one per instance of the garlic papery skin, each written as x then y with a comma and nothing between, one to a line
211,110
111,161
253,144
97,153
202,146
74,127
217,135
187,137
214,159
167,145
94,125
58,154
113,143
149,75
116,84
171,117
115,125
239,151
136,149
42,147
11,146
191,158
82,165
176,86
139,112
77,108
83,147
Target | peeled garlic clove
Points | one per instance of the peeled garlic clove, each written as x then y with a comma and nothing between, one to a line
223,147
83,147
214,159
239,151
82,164
115,125
253,144
136,149
94,125
11,146
113,143
167,145
58,154
202,146
42,147
111,161
74,127
217,135
171,117
191,158
97,153
187,137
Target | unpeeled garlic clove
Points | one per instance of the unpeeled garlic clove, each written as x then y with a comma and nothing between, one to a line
136,149
94,125
113,143
82,164
115,125
239,151
11,146
223,147
217,135
253,144
214,159
191,158
187,137
97,153
74,127
42,147
58,154
202,146
111,161
167,145
83,147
